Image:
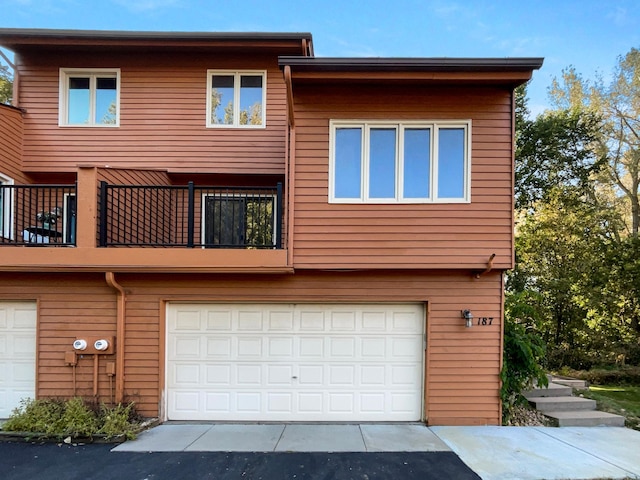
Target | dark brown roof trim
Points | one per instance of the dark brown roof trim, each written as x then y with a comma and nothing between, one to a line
17,39
11,107
38,33
382,64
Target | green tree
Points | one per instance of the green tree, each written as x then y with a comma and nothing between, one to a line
559,258
6,85
557,149
568,236
618,103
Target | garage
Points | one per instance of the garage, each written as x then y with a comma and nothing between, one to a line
295,362
17,354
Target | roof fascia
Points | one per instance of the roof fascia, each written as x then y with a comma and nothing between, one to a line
16,39
510,71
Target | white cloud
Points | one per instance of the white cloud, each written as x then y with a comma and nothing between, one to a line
619,16
146,5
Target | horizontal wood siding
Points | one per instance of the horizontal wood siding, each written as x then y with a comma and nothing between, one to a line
345,236
119,176
11,131
162,119
463,364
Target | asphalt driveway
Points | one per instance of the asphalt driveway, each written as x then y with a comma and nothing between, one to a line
98,462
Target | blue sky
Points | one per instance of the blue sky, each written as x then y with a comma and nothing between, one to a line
587,34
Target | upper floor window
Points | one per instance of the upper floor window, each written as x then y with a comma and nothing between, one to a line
389,162
236,99
6,207
89,98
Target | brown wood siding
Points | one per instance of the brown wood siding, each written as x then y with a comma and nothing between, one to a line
345,236
162,116
463,364
11,131
119,176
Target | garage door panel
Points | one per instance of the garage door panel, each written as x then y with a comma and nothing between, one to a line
249,321
280,402
187,375
219,374
295,362
17,354
279,375
186,347
219,320
218,402
186,320
280,347
281,321
310,347
311,321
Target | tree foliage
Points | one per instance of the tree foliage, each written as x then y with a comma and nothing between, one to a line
556,150
577,248
618,103
6,85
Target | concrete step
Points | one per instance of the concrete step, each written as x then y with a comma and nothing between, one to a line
562,404
553,390
585,418
569,382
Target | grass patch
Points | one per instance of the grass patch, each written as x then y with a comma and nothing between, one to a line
620,399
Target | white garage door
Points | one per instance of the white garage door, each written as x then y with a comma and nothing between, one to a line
17,354
295,362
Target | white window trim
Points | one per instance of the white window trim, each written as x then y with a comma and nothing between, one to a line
400,126
7,209
231,195
65,73
236,97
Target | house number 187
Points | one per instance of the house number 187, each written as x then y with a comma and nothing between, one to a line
485,320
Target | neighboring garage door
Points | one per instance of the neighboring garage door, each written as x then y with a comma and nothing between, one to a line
17,354
295,362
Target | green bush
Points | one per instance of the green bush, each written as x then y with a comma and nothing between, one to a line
42,416
74,418
119,420
614,375
78,420
522,368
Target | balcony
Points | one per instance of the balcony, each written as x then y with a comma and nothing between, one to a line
38,215
141,228
190,216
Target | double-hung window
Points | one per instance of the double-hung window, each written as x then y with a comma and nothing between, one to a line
400,162
89,98
236,99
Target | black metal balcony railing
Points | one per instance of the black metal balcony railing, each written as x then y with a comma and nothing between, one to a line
38,215
190,216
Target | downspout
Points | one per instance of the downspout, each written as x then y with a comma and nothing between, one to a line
120,324
291,189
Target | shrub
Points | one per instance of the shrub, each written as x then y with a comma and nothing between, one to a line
119,420
74,417
78,420
522,368
627,375
41,416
